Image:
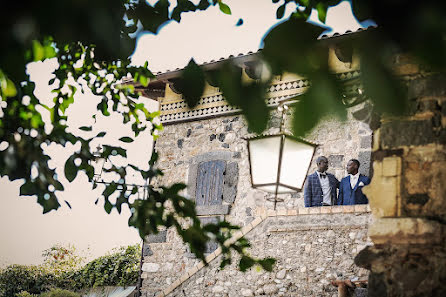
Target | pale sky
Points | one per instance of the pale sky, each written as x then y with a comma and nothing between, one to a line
208,35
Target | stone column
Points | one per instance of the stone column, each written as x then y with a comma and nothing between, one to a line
407,195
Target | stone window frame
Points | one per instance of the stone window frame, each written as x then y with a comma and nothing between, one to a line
230,182
230,185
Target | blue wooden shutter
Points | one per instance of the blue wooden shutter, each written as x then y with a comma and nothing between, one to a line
210,180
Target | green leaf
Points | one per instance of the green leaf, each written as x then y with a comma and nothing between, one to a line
284,48
191,83
86,128
108,206
321,11
322,99
246,263
224,8
249,96
36,121
28,189
58,186
109,189
385,91
48,204
143,80
38,51
70,169
7,87
103,107
267,263
126,139
101,134
280,11
225,262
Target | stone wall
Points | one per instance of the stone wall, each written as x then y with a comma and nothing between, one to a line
407,193
311,251
179,148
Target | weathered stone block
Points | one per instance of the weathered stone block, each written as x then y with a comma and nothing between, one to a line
337,209
348,208
281,212
150,267
366,142
363,114
434,85
314,210
364,160
208,210
180,143
326,209
184,277
271,213
256,221
361,208
391,166
383,192
230,182
416,132
336,161
157,238
406,231
210,257
146,251
304,210
292,212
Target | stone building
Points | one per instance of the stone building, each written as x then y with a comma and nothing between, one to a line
204,148
403,249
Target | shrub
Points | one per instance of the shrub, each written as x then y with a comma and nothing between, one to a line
59,293
32,279
118,268
26,294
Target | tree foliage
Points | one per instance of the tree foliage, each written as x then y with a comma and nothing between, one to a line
92,45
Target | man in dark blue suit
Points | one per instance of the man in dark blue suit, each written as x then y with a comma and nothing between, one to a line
350,189
320,187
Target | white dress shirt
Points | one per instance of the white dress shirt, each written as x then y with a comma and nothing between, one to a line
326,189
354,180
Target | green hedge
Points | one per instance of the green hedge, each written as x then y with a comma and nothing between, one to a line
119,268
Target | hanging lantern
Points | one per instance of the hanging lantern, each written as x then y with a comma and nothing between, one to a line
279,163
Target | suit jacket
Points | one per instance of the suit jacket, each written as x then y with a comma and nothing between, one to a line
313,195
349,196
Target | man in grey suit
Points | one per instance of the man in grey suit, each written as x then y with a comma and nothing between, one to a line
320,187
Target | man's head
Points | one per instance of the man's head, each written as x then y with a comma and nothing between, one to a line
322,164
352,166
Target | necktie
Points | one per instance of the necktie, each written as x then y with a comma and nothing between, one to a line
323,175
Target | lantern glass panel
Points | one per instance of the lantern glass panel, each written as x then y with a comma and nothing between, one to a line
272,189
296,159
264,158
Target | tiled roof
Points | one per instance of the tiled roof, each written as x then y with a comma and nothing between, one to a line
337,34
240,55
